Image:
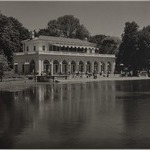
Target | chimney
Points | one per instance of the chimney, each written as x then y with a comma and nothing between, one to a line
32,35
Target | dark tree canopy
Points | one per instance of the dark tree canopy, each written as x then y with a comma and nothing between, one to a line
97,39
53,28
67,26
134,51
128,46
82,32
110,45
106,44
12,33
44,32
3,63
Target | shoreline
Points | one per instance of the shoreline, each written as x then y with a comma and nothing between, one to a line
13,85
84,80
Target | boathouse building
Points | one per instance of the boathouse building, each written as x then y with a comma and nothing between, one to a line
59,55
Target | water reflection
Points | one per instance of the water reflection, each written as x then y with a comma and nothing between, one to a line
105,114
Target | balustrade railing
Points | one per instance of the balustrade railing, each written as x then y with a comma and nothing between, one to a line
67,53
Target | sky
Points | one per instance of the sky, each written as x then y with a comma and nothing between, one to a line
99,17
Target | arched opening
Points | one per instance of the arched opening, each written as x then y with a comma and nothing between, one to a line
88,67
81,65
73,67
109,67
32,66
64,67
46,66
95,67
55,67
102,67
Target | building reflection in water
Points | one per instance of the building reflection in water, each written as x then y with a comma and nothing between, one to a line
85,115
64,110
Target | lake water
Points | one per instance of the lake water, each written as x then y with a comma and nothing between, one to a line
108,114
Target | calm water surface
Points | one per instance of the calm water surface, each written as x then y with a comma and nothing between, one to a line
109,114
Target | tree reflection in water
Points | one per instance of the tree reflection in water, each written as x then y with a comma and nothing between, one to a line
86,115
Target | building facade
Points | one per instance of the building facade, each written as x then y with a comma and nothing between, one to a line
58,55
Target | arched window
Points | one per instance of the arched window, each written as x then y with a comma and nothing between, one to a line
81,65
56,67
88,67
95,67
73,67
46,66
64,67
102,67
32,66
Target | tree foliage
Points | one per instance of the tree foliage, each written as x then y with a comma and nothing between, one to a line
97,39
53,28
12,33
67,26
44,32
3,63
106,44
134,51
82,33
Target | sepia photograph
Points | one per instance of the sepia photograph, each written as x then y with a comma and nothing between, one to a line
74,74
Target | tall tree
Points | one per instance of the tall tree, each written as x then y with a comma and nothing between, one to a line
53,28
82,33
67,26
129,46
144,48
11,34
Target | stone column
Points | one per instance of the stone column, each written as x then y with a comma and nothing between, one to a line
38,67
42,67
85,65
69,67
51,68
106,67
60,67
92,67
113,67
77,67
99,67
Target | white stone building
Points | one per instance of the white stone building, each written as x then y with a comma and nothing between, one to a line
58,55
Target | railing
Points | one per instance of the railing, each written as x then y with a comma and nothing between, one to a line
66,53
